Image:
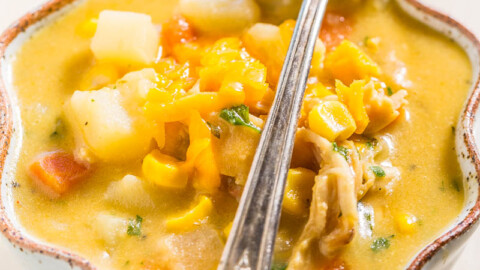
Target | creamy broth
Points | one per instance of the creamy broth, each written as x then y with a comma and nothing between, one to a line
433,69
424,144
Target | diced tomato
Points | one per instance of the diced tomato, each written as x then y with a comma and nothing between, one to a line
56,172
335,28
175,31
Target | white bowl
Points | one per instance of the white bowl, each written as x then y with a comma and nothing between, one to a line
37,254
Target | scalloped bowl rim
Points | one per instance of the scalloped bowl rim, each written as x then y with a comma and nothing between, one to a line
437,254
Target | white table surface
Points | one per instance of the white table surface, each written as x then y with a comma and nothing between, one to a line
465,11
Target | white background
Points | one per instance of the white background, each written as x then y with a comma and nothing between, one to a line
465,11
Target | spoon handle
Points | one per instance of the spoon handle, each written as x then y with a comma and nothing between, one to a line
251,241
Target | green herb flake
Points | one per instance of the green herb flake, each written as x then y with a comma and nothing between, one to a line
59,131
279,266
214,129
389,91
378,171
135,226
381,243
341,150
92,100
238,116
442,187
368,218
365,40
453,130
456,185
372,143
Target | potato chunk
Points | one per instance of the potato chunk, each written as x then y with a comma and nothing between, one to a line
109,228
235,148
125,38
103,127
187,250
220,16
129,193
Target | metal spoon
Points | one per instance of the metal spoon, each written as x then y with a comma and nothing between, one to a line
251,241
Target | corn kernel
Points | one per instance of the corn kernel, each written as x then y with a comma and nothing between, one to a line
192,218
196,147
347,63
159,95
87,28
180,110
298,191
198,128
159,135
207,174
164,170
372,43
188,52
231,94
406,223
100,75
331,120
352,97
318,90
226,64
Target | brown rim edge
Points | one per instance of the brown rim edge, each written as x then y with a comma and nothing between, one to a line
468,137
13,235
17,238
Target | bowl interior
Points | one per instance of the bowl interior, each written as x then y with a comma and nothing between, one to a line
433,255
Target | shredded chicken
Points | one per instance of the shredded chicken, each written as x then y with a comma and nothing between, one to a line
341,182
333,213
381,108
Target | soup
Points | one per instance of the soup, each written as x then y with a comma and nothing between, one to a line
135,157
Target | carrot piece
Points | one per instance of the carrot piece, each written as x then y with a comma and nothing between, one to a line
175,31
335,28
56,172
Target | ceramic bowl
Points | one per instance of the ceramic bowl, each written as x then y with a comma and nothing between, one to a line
36,254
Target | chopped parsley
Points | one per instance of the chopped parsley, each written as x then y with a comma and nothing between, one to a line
214,129
456,185
341,150
368,218
381,243
59,131
238,116
135,226
365,40
453,130
389,91
372,143
378,171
